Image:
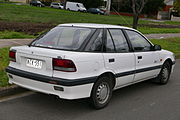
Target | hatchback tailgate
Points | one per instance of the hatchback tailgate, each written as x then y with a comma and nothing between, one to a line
35,60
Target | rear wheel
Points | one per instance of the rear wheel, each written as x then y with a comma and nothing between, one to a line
164,75
101,92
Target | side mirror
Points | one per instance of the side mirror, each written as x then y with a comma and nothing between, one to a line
157,47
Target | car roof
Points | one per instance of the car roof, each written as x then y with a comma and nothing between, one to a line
93,25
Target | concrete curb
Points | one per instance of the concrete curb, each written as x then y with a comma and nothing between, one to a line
11,90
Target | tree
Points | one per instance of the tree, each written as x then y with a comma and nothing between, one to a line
137,7
177,5
153,6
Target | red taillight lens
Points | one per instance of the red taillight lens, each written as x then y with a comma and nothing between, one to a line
12,56
64,65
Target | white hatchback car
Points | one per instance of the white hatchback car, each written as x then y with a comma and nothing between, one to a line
57,5
76,61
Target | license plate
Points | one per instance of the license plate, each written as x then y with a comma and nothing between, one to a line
34,63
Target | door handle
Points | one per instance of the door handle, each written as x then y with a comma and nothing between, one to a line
111,60
139,57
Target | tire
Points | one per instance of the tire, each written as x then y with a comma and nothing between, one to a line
164,75
101,93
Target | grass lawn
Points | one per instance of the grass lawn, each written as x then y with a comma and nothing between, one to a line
172,44
148,30
12,34
26,13
4,60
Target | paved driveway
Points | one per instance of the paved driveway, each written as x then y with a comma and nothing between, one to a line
142,101
13,42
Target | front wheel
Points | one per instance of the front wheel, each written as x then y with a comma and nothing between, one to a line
101,92
164,75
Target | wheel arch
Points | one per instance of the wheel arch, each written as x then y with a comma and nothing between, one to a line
169,61
110,75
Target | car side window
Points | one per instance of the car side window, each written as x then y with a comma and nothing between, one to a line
109,43
139,43
119,39
97,43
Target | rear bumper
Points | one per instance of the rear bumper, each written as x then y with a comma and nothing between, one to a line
50,80
71,90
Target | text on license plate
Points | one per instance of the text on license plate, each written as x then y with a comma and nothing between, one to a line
34,63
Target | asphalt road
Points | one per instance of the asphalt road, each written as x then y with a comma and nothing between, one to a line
142,101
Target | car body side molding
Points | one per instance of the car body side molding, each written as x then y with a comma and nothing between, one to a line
70,82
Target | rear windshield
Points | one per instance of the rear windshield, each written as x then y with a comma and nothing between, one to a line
66,38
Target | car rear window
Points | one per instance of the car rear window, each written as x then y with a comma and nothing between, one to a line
67,38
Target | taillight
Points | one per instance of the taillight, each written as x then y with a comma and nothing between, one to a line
64,65
12,55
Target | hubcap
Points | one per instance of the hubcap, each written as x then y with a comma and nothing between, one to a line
165,74
102,93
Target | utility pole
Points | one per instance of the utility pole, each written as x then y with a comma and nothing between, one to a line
108,7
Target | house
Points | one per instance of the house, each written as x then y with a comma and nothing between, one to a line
165,14
169,5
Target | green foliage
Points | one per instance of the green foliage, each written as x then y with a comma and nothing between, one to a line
177,5
151,6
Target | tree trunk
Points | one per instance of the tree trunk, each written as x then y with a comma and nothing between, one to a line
137,9
135,20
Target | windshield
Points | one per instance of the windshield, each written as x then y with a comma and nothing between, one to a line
67,38
81,5
97,9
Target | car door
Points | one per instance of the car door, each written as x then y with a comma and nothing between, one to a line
118,58
147,60
56,5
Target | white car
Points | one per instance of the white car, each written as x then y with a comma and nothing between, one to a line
77,60
57,5
75,6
